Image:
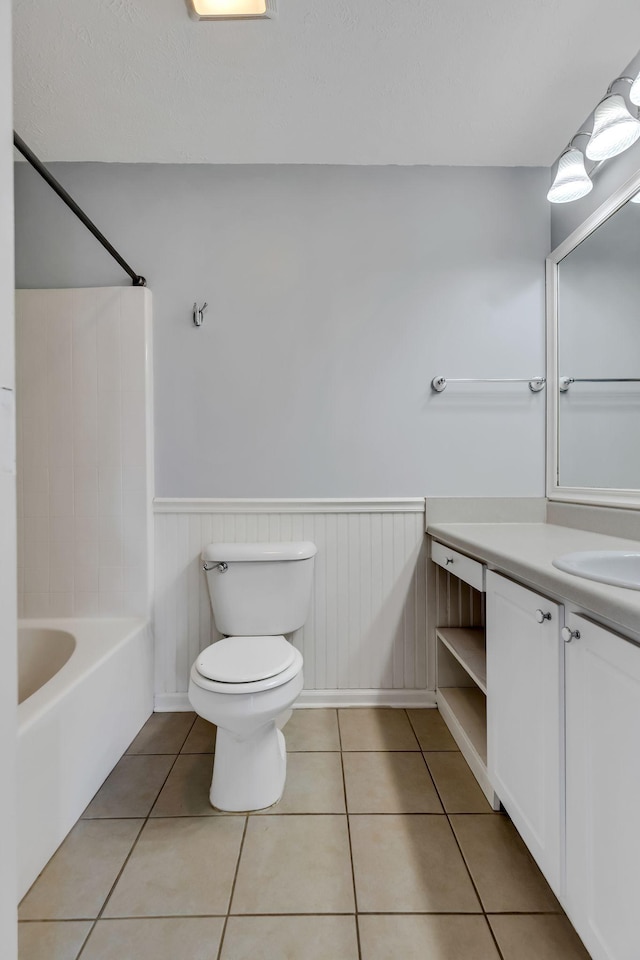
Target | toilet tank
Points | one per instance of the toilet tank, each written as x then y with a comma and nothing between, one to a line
259,589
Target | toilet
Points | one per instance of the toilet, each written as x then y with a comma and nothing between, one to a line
246,681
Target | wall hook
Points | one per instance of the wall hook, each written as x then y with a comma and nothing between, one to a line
198,314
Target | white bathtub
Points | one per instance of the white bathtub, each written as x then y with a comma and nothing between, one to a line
88,688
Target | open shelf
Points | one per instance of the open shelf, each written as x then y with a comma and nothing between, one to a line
464,710
467,644
461,657
468,706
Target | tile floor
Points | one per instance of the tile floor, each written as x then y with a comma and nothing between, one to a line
382,847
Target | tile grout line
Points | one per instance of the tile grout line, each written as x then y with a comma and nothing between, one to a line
471,813
225,917
302,913
482,912
473,883
233,888
467,868
429,774
82,817
145,820
413,731
112,887
346,810
493,936
222,814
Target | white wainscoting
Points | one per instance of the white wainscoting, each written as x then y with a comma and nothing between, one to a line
365,641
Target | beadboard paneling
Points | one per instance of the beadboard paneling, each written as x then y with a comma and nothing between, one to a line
458,604
367,623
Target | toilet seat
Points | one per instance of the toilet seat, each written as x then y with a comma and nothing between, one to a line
226,667
245,659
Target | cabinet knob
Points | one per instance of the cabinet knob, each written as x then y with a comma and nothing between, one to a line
541,617
568,635
449,560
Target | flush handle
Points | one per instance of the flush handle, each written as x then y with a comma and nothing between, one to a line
209,565
541,616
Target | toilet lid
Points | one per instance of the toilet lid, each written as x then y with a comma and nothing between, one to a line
245,659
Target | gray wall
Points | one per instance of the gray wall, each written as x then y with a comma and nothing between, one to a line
336,294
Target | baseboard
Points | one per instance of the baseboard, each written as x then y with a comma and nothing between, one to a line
366,698
179,702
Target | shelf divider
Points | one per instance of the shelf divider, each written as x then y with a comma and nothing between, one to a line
467,645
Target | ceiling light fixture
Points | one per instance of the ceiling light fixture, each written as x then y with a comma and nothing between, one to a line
232,9
614,128
571,180
634,93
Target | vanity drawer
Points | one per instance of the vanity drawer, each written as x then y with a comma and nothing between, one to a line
471,571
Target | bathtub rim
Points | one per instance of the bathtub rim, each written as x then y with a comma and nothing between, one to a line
96,640
24,673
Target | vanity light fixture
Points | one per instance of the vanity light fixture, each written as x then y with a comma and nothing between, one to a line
232,9
571,180
614,127
635,198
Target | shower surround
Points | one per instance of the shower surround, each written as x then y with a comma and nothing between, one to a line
85,452
85,488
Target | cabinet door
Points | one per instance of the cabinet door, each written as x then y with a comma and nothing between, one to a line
525,730
603,790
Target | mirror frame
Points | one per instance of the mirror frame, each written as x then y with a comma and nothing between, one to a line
602,496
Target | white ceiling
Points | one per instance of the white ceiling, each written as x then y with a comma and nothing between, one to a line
473,82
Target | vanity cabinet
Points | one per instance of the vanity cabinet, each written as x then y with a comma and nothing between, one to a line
561,714
603,789
525,721
463,567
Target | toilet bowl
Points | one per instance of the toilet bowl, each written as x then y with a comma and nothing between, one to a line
250,762
244,683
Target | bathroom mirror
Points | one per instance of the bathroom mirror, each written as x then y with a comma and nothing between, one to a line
593,337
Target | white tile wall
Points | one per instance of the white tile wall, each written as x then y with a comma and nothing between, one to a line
365,637
85,457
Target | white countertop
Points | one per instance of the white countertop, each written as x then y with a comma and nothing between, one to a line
525,551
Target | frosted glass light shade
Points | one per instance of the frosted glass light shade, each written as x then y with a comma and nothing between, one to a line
634,93
635,198
232,9
571,180
614,129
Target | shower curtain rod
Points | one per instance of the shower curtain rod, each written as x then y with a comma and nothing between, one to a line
38,165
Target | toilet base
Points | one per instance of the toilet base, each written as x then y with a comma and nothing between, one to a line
248,774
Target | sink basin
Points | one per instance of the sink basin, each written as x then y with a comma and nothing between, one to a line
621,568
